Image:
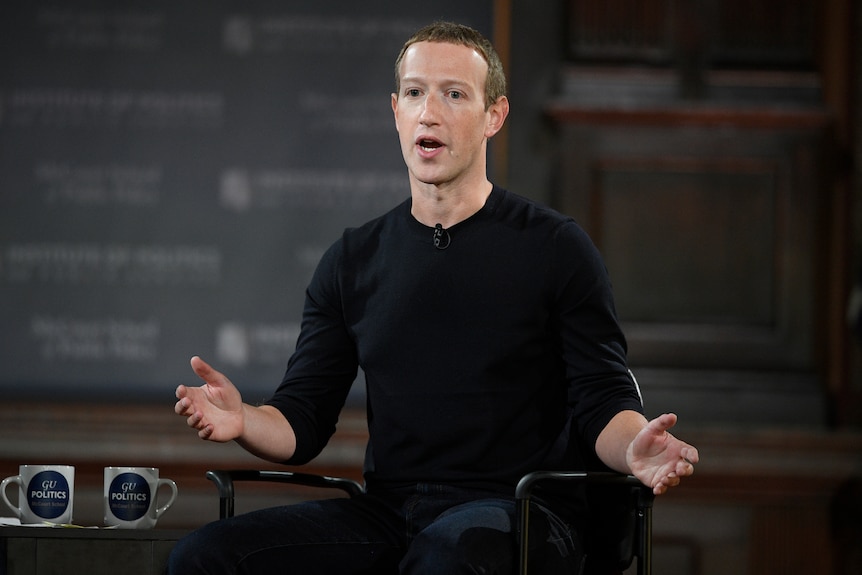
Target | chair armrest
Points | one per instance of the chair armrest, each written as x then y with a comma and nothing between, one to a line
224,480
643,504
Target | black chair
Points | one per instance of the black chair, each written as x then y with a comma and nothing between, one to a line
619,524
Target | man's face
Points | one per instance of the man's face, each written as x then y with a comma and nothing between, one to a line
440,113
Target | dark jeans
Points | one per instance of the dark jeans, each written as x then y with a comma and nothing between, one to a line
428,529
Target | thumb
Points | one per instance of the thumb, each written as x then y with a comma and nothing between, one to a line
205,371
663,422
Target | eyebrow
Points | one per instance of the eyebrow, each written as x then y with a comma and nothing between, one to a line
445,82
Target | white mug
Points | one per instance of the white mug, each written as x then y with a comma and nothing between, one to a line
45,493
130,497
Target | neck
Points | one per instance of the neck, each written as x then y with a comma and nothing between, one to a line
433,204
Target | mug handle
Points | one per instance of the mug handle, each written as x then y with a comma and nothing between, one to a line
173,497
14,479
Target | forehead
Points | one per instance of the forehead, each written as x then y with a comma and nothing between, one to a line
443,60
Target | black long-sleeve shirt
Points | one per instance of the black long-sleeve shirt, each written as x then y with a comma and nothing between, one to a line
475,356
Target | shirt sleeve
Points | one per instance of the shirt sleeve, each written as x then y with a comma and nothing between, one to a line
323,367
593,345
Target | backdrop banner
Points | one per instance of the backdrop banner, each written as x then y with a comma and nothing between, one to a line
170,175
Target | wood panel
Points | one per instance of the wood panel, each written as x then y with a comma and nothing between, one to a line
711,223
690,242
710,235
776,33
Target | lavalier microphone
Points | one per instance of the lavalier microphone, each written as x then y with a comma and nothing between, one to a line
442,239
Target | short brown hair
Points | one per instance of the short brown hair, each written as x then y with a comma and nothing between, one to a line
451,33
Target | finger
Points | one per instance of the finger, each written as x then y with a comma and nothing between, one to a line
688,461
181,391
184,406
666,483
206,432
195,419
684,468
690,454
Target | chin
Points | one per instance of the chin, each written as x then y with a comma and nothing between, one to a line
429,179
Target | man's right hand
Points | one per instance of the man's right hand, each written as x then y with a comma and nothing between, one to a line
217,412
214,409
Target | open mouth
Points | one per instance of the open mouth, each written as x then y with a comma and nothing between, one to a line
428,144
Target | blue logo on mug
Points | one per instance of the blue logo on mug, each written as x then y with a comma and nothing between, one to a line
129,496
48,494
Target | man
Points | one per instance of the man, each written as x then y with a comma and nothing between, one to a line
485,326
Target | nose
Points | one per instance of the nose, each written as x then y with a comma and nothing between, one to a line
430,110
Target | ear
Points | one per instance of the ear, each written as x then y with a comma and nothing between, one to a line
395,109
497,113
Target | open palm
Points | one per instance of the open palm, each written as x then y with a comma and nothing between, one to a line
214,408
658,458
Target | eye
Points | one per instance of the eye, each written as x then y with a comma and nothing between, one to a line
411,92
455,94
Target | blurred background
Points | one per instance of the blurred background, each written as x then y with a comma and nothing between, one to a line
171,172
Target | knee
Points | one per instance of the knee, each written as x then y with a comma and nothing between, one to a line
199,553
475,550
183,557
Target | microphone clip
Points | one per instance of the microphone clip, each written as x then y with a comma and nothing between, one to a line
442,239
